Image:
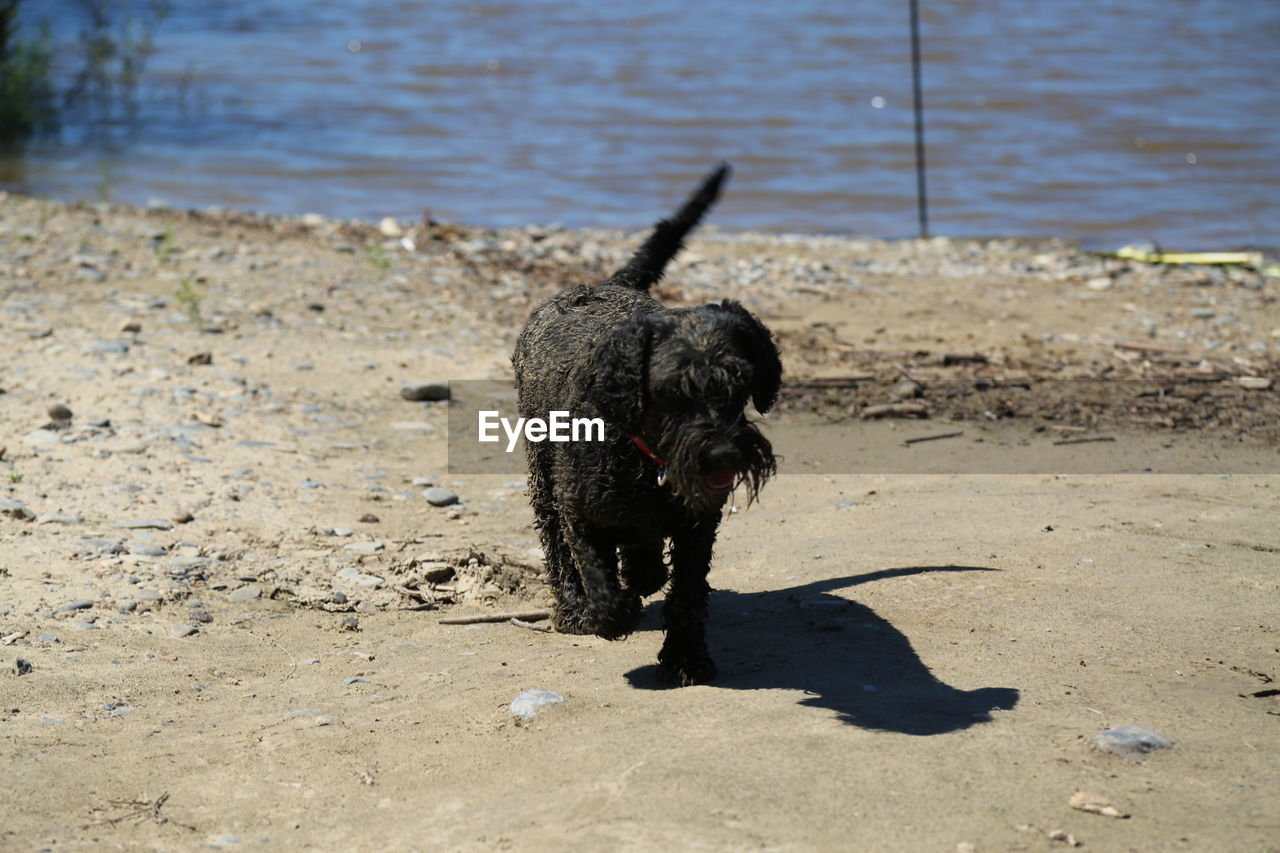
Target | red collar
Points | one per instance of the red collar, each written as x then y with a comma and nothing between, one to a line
644,448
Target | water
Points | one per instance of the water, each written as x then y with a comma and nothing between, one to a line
1104,122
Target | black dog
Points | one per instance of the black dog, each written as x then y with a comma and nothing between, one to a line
672,386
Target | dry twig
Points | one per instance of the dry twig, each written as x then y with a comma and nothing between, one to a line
522,615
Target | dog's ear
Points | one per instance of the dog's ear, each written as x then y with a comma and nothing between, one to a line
763,353
615,379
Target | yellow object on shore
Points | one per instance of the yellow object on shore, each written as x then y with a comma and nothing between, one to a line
1252,260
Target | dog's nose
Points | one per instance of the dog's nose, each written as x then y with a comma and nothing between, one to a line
723,457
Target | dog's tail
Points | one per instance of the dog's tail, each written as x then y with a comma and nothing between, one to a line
644,270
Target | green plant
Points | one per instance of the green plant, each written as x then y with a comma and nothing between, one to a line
189,297
27,100
377,255
165,245
114,44
106,181
15,477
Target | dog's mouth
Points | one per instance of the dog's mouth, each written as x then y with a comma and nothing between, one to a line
721,481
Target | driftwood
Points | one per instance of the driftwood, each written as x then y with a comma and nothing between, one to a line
939,437
896,410
832,381
521,615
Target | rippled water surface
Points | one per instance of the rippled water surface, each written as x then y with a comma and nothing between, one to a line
1102,121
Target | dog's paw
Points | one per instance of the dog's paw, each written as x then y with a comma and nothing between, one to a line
616,621
567,621
685,671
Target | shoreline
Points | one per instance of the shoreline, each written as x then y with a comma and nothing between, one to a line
229,539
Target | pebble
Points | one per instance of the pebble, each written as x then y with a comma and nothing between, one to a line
350,574
907,389
424,481
354,680
407,426
437,496
42,438
1203,313
1132,742
246,593
82,604
105,545
369,518
368,547
22,667
116,347
183,630
146,549
59,412
183,517
299,712
311,484
388,227
526,705
324,720
146,524
1254,383
426,392
58,518
127,447
15,509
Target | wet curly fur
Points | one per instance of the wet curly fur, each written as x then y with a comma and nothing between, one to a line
678,381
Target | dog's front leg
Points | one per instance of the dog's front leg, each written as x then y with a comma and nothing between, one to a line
607,609
684,658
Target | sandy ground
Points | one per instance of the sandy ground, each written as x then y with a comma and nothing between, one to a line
909,660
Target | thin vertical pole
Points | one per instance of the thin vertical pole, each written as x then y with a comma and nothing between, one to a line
922,197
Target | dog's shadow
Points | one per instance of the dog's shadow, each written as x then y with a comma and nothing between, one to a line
839,653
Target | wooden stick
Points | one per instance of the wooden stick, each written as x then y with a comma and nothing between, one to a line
522,615
934,437
411,593
896,410
1084,440
835,382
